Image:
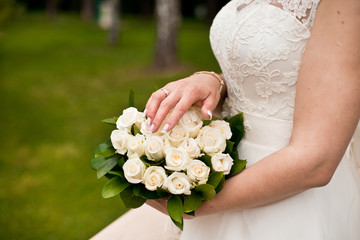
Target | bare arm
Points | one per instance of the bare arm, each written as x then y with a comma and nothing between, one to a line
327,110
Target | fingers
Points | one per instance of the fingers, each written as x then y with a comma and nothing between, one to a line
209,105
165,106
153,104
179,110
182,94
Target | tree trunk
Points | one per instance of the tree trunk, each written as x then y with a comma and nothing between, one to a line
51,8
87,10
114,26
168,19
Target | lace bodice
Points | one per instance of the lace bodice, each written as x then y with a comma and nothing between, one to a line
259,45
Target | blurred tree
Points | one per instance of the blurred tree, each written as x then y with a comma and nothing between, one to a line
87,10
9,8
51,8
168,19
114,21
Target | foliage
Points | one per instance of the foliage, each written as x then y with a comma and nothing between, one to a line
57,80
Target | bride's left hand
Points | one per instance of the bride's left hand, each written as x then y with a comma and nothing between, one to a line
160,205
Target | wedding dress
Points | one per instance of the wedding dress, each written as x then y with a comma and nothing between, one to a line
259,46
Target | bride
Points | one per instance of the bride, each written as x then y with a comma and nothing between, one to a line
292,68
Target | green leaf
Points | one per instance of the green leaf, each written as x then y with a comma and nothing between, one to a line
206,122
131,98
190,213
121,161
136,189
130,200
206,159
162,193
141,191
106,166
234,154
101,147
237,128
135,130
147,194
238,166
215,178
229,146
221,185
116,173
114,187
111,121
175,210
151,162
192,202
106,153
95,163
207,191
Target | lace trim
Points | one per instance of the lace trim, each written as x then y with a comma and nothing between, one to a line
303,10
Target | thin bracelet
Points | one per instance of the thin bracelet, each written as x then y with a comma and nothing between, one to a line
214,75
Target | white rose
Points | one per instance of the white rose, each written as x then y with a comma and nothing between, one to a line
136,145
222,163
154,148
223,126
134,169
176,159
119,140
211,141
178,183
192,121
154,177
198,172
129,117
145,130
192,148
177,135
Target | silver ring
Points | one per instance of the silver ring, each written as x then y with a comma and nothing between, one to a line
165,91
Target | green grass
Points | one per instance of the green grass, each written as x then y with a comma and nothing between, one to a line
57,81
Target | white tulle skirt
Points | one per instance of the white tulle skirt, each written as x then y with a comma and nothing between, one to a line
331,212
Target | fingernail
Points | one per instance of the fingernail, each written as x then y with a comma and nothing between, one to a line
210,114
151,128
144,114
165,128
148,121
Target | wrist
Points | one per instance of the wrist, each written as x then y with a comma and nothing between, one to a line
215,75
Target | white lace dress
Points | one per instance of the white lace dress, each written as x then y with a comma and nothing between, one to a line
259,46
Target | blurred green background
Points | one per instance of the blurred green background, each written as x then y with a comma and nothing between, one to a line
58,78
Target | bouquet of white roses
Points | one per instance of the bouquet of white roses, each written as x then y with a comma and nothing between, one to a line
188,164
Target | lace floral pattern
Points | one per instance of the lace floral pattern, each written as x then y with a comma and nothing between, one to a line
260,54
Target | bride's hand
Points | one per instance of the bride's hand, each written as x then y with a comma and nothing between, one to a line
200,89
160,205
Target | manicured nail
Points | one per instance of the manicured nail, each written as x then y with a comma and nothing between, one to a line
210,114
148,121
165,128
144,113
151,128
